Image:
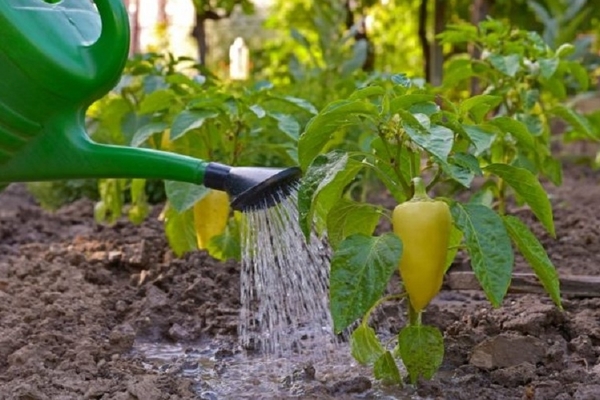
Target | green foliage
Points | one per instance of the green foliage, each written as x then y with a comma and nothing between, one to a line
422,350
54,194
173,104
360,270
407,130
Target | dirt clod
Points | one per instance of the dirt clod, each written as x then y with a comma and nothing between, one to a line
507,350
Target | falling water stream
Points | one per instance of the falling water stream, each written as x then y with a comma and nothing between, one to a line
284,283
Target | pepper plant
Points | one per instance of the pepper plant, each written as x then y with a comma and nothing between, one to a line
174,104
415,140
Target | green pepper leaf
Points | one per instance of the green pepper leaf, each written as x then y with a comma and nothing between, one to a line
478,106
144,132
360,270
548,66
366,92
226,245
516,128
405,102
421,348
530,189
348,217
536,256
322,186
180,231
319,129
365,345
182,196
287,124
188,120
489,246
298,102
386,370
157,101
481,139
508,65
577,121
437,141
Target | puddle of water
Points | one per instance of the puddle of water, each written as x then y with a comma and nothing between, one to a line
239,376
284,282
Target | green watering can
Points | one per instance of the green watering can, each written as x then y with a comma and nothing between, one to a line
56,58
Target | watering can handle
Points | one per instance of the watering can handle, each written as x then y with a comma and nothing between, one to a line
111,49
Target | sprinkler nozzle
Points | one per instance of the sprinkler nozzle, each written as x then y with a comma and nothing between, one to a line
252,188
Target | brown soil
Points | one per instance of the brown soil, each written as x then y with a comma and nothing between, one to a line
76,298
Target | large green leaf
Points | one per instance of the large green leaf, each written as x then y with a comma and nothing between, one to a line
577,121
478,106
298,102
421,348
287,124
481,138
156,101
348,217
536,256
360,270
437,141
488,244
508,65
142,134
190,119
329,120
517,129
386,370
322,186
180,231
529,188
182,196
405,102
365,345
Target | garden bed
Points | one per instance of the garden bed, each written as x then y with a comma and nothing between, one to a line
96,312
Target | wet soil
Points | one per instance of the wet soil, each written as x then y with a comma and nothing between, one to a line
79,301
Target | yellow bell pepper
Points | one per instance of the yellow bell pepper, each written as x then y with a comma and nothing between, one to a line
423,224
211,214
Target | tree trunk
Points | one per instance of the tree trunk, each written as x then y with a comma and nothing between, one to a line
479,10
437,55
134,18
425,47
361,34
199,34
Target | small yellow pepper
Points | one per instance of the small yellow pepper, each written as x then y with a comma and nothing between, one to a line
211,214
423,224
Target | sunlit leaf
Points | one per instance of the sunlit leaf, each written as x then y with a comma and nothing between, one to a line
386,370
365,346
529,188
348,217
488,244
421,348
360,270
535,254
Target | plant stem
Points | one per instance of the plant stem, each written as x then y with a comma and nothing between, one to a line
397,296
414,317
420,190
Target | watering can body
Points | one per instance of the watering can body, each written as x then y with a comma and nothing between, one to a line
56,58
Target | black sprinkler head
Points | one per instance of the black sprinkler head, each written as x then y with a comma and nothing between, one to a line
252,188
